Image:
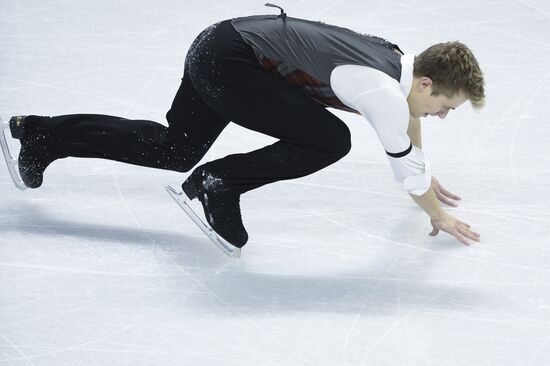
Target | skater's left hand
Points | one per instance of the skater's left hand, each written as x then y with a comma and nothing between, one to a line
455,227
444,195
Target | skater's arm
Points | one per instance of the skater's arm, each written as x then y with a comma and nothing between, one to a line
380,100
429,204
443,195
440,220
414,132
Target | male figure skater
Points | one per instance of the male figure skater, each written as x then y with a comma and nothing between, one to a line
276,75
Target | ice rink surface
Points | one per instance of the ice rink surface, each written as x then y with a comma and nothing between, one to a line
100,267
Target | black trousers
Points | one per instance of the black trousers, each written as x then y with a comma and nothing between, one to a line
222,82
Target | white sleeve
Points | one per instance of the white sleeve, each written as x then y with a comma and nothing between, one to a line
379,99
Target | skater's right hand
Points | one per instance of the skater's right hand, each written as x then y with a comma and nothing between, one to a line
455,227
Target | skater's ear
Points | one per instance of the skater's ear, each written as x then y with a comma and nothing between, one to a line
423,84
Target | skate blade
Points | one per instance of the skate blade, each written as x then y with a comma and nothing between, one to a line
10,161
182,201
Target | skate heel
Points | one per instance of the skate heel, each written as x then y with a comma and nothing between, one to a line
10,161
17,126
190,189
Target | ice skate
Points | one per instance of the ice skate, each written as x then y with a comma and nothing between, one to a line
13,166
183,201
221,210
32,161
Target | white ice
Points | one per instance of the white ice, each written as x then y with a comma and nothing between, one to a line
100,267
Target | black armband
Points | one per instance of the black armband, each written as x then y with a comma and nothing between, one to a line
400,154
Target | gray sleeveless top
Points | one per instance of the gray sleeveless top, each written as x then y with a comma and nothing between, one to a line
305,52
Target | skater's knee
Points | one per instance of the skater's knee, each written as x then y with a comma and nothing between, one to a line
180,168
344,142
182,163
183,159
337,143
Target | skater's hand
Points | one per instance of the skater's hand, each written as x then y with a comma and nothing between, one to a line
444,195
455,227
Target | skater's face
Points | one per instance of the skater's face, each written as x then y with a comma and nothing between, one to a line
422,103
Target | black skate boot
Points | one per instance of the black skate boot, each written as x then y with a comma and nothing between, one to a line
17,126
33,156
221,207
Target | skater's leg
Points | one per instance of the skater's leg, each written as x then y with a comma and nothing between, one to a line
310,137
191,117
193,127
227,75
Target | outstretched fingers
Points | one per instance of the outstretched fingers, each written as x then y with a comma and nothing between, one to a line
449,194
446,196
470,234
444,199
464,224
459,229
461,238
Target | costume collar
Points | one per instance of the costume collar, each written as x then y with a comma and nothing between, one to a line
407,67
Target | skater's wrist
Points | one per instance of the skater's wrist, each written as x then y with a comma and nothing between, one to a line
437,214
429,204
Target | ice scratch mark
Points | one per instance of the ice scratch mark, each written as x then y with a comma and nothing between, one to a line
523,116
367,301
412,312
17,349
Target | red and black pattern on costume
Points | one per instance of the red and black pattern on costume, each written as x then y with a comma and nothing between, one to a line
321,93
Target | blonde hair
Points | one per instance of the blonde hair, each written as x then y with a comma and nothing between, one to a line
452,68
